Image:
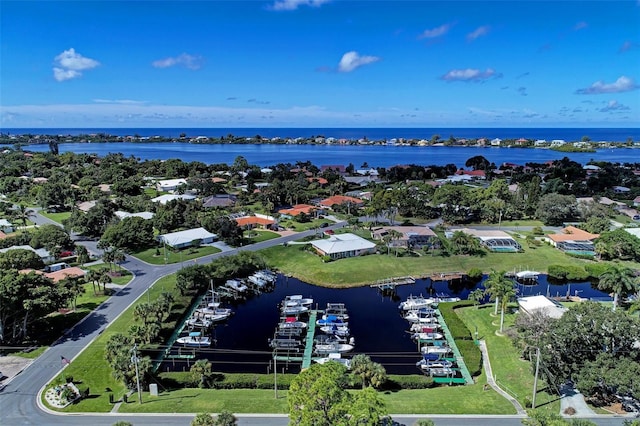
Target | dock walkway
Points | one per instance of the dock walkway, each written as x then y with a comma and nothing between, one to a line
308,340
452,344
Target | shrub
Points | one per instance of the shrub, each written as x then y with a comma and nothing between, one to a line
596,269
458,330
537,230
474,274
413,381
471,355
567,272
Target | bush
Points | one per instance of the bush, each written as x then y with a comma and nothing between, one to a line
474,274
596,269
471,355
581,256
537,230
458,330
567,272
413,381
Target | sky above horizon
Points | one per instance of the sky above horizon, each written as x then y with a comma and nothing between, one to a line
319,63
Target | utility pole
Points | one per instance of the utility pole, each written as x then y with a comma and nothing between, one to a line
535,380
275,375
134,359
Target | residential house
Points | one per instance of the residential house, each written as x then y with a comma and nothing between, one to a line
123,215
168,185
632,213
414,237
43,253
85,206
164,199
573,240
183,239
340,200
343,245
219,201
257,221
636,201
6,226
299,209
531,305
621,189
493,239
496,142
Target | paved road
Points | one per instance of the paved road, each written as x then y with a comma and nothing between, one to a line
18,400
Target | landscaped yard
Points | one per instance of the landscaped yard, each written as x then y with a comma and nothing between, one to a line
56,217
259,235
308,267
157,257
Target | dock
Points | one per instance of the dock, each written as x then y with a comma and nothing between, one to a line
446,276
466,376
308,340
391,283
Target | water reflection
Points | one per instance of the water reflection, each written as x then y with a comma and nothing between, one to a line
375,322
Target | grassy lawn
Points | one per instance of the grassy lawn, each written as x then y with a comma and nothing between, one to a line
56,217
299,227
31,354
149,255
354,271
510,223
90,366
122,279
259,235
511,372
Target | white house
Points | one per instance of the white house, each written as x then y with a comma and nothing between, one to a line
532,304
6,226
164,199
170,184
123,215
343,245
43,253
183,239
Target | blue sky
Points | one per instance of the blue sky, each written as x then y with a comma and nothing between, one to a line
320,63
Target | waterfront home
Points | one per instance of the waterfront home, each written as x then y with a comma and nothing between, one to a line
184,239
573,240
531,305
414,237
256,221
493,239
164,199
473,174
6,226
170,184
123,215
343,245
319,180
340,200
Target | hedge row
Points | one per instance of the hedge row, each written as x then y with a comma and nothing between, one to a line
462,335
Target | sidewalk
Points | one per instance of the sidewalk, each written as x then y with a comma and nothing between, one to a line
486,364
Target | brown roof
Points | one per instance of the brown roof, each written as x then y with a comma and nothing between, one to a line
297,209
340,199
571,233
253,220
60,275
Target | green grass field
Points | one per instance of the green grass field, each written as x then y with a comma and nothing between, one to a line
56,217
259,235
149,255
355,271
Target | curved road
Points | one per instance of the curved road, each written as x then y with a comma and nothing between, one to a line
19,399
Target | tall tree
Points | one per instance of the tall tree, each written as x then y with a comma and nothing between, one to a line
22,214
500,288
620,280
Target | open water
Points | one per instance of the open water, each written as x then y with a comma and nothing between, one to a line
375,323
358,155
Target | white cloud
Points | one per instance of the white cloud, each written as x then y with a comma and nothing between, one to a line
470,74
279,5
614,106
352,60
69,63
436,32
622,84
478,32
188,61
118,101
580,26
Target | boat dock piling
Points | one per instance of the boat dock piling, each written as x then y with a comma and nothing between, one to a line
445,276
391,283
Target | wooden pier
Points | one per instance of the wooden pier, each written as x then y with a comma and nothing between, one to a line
391,283
446,276
308,340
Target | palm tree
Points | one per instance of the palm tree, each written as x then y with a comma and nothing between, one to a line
23,214
476,295
118,257
500,288
82,254
620,280
104,279
94,277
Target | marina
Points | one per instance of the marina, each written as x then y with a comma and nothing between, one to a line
241,343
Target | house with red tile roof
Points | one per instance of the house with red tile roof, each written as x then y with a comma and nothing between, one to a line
299,209
257,221
340,200
572,239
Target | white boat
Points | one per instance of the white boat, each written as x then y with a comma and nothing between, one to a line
257,281
236,285
266,275
195,339
527,275
285,343
428,364
213,314
199,322
292,322
296,300
443,297
420,317
330,348
427,336
416,302
336,309
330,320
417,327
294,310
437,350
336,330
334,357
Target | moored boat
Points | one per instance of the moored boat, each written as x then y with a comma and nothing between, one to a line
194,339
416,302
437,350
427,336
294,310
285,343
330,320
195,321
335,330
296,300
329,348
236,285
334,357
